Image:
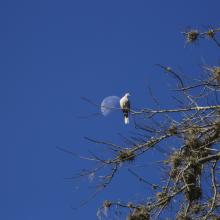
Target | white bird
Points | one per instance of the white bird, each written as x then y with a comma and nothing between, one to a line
125,107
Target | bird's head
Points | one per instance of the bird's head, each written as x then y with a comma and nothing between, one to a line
127,94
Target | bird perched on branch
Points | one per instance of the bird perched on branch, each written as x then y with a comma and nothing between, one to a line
125,107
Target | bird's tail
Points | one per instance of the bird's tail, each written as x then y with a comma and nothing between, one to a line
126,119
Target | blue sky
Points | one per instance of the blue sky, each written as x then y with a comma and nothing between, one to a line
54,52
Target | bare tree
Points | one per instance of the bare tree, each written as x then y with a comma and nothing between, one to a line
190,180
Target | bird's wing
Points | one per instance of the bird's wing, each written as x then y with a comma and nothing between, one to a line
125,104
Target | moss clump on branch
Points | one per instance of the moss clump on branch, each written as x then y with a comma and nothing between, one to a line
140,213
216,73
191,36
181,216
196,208
107,204
194,193
210,33
176,159
191,138
173,130
126,155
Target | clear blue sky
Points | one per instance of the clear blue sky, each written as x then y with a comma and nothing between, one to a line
54,52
